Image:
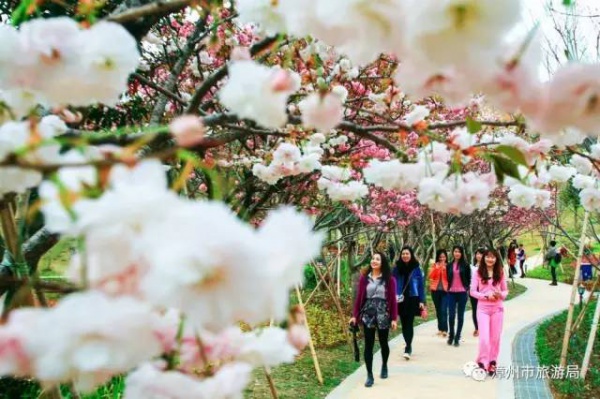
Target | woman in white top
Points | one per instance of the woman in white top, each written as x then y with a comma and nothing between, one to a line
474,267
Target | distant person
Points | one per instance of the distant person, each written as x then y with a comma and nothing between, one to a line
512,259
375,308
553,258
474,268
521,256
438,285
410,294
459,279
489,287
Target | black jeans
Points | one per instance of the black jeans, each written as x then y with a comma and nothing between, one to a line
474,311
440,301
456,300
553,271
407,311
370,343
522,264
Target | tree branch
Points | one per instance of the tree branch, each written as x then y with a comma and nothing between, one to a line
158,88
37,246
161,8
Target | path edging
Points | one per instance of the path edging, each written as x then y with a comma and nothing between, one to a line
506,386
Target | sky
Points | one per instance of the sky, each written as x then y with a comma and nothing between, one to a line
586,30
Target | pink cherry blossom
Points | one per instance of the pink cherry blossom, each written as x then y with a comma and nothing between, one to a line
188,130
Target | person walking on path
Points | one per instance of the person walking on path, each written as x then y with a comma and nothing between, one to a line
459,279
489,286
438,285
375,308
521,256
553,257
410,294
512,259
474,267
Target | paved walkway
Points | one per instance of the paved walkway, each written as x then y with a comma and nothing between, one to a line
524,354
435,369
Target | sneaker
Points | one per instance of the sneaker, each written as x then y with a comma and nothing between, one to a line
407,353
553,283
370,380
384,372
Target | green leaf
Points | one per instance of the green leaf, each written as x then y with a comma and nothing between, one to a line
19,15
455,168
186,155
473,126
513,153
504,167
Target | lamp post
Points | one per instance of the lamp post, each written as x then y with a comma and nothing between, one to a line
581,290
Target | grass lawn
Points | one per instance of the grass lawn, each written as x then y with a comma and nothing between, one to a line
55,262
543,273
549,334
514,290
25,389
532,242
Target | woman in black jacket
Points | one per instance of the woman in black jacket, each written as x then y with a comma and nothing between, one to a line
459,280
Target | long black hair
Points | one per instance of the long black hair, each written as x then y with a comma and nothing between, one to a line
498,271
405,268
463,260
478,251
439,252
386,271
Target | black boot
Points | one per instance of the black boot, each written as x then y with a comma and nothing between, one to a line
456,341
370,380
450,339
384,372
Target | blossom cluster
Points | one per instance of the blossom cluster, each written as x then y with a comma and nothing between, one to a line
46,56
288,160
147,249
339,185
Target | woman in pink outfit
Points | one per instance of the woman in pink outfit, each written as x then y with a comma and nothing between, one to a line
489,286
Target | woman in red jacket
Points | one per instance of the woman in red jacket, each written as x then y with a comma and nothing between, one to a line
438,284
375,308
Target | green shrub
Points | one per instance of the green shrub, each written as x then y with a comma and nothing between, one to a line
310,278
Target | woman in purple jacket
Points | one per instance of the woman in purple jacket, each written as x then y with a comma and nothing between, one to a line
375,308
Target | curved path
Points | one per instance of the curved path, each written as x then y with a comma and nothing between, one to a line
435,370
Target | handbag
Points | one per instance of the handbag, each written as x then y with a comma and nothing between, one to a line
368,315
424,313
400,298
